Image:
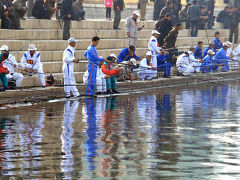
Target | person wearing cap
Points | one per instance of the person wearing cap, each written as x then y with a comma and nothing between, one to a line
111,73
3,71
236,57
126,54
163,64
210,46
221,58
207,64
194,16
198,50
153,47
11,64
118,6
93,62
229,50
183,64
217,42
193,60
127,73
132,28
146,70
68,69
30,62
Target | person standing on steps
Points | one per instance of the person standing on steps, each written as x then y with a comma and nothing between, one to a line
68,69
93,63
118,6
66,14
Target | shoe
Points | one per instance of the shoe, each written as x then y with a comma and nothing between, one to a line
78,96
2,89
105,93
67,97
99,93
114,91
43,86
109,91
90,96
166,77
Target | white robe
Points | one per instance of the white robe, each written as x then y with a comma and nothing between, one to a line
155,50
183,65
146,71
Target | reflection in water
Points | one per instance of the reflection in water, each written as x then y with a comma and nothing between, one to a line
66,137
190,133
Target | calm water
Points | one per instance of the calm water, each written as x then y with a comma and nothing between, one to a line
191,133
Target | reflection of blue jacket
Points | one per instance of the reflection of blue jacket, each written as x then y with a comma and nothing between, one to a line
198,53
217,44
125,56
92,55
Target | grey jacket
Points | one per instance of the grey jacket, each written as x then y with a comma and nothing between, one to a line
194,13
131,27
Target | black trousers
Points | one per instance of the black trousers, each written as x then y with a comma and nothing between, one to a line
108,12
194,28
233,30
66,29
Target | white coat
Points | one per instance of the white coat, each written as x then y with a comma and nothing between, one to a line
33,62
146,71
195,63
155,50
101,81
236,57
10,63
183,65
68,72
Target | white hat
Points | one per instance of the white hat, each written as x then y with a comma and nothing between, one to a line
211,52
228,43
155,32
133,61
4,48
149,53
225,44
113,55
32,47
136,13
72,40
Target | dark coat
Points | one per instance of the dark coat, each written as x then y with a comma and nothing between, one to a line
166,10
194,13
165,27
38,6
118,5
171,38
67,8
222,16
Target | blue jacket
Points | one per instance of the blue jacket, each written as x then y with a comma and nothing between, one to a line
198,53
125,55
162,59
206,50
207,60
217,44
92,56
221,55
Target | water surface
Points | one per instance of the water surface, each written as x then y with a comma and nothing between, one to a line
187,133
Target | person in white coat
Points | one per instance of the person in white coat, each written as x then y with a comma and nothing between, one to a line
68,69
12,64
30,62
183,64
101,80
236,57
153,47
195,63
146,71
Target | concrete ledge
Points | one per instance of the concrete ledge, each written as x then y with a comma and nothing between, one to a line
43,94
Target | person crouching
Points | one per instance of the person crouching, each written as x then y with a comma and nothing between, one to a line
127,70
207,64
146,71
111,72
163,64
3,71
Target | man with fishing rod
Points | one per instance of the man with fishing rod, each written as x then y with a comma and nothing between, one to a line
3,71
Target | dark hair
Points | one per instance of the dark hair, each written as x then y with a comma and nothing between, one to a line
95,38
191,48
132,48
160,17
5,54
167,15
169,2
199,42
178,25
217,33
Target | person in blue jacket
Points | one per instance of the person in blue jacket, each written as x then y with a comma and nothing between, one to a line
126,54
198,50
163,64
207,64
217,42
93,63
222,58
210,46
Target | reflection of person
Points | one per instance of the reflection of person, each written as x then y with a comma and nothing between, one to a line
91,133
67,161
